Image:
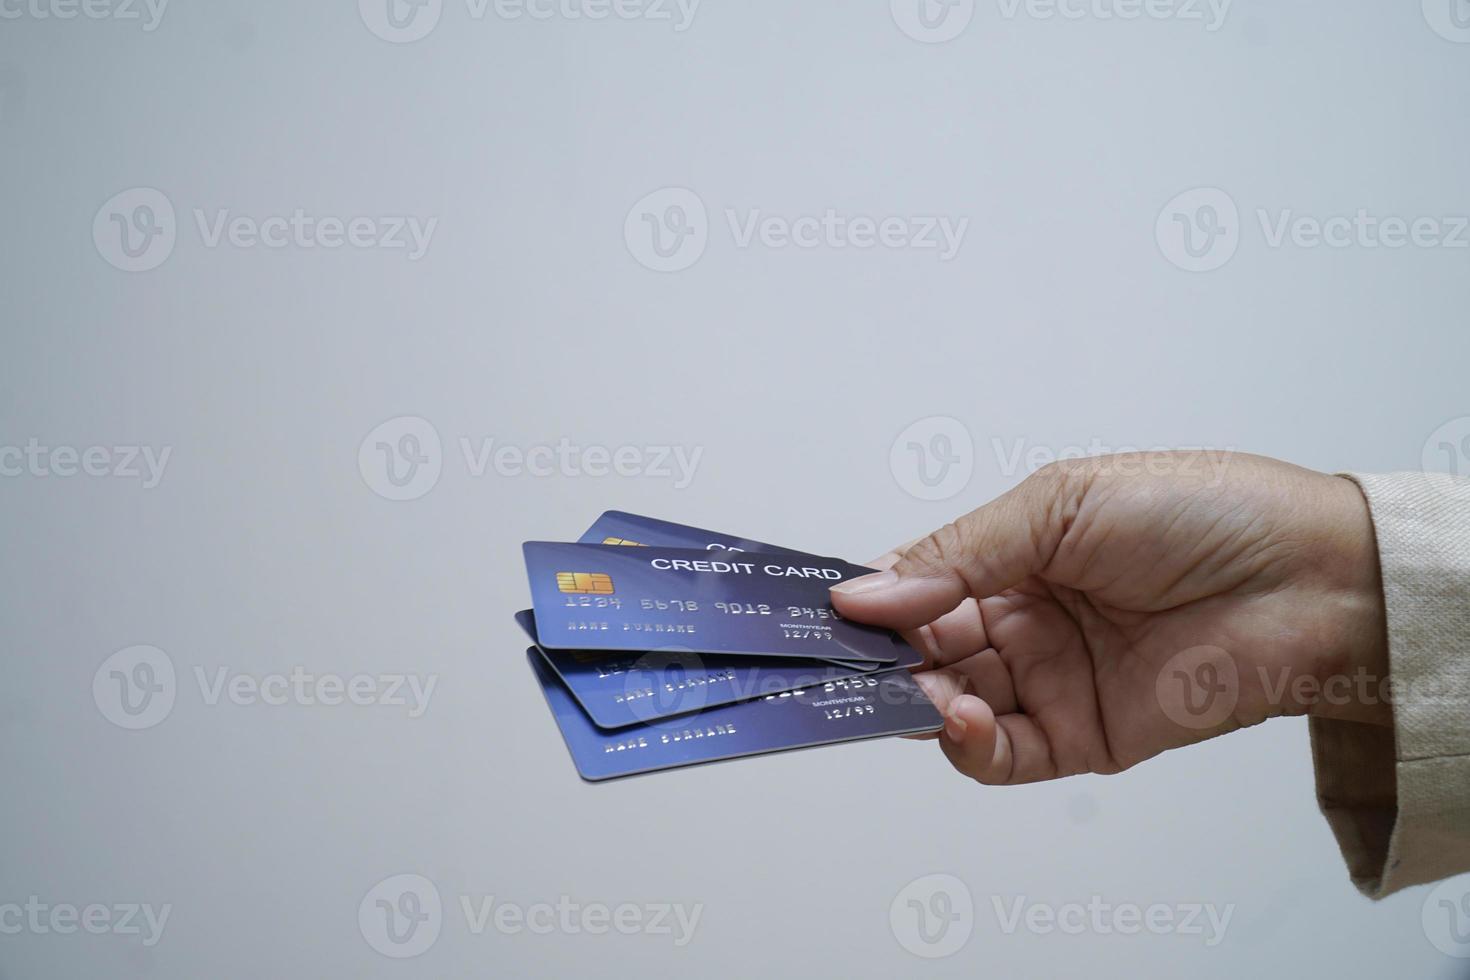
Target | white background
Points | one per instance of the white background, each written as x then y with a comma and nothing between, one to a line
1061,321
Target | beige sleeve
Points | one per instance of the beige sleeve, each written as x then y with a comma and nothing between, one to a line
1399,799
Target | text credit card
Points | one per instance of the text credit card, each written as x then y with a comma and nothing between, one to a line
610,597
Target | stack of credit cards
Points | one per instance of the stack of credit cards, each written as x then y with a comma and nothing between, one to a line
659,645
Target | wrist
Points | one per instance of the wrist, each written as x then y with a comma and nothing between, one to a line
1350,665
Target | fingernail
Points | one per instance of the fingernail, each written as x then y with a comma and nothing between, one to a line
954,726
866,583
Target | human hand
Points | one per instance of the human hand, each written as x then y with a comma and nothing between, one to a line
1106,610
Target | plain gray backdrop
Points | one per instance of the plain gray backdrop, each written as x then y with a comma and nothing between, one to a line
1067,319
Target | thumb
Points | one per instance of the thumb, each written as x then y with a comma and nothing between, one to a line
981,554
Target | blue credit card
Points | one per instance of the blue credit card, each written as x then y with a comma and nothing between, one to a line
869,706
609,597
621,689
619,527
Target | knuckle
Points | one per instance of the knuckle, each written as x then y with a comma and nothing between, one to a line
1056,498
945,548
1063,473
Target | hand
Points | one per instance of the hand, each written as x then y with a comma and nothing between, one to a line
1108,609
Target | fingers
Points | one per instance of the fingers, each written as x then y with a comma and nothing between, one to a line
984,675
973,742
984,735
958,634
1005,750
981,554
